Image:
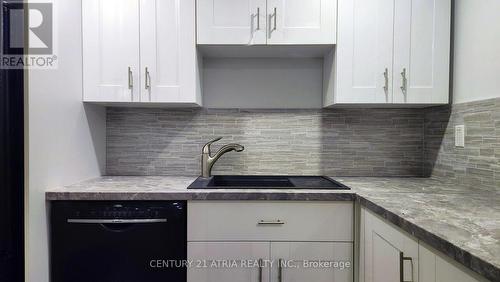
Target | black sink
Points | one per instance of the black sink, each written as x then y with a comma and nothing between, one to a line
266,182
249,181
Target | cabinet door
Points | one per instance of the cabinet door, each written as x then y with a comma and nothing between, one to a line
434,267
110,50
205,255
364,51
422,51
168,51
299,261
388,253
301,22
238,22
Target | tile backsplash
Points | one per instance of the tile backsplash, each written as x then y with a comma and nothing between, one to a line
336,142
476,163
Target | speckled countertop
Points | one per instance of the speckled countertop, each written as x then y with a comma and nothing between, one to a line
462,222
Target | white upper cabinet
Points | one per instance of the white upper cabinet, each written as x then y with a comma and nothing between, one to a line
110,50
140,51
239,22
364,51
392,52
260,22
422,51
301,22
168,51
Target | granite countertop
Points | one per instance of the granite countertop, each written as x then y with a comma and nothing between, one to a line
462,222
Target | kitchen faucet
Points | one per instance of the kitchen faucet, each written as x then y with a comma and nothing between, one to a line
208,161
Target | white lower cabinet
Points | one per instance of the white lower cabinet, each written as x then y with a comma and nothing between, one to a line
389,254
208,259
270,221
270,261
434,267
386,253
311,261
263,241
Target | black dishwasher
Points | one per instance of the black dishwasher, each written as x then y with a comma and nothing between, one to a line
127,241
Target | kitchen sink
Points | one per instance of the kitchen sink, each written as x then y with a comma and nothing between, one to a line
266,182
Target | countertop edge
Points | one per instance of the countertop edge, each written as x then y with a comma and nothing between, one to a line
198,195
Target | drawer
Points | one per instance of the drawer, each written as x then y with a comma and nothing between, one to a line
270,221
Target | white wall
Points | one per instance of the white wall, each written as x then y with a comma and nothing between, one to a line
477,50
66,141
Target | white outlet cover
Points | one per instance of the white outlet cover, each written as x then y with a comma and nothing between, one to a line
460,136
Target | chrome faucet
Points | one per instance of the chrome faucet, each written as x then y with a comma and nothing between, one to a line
208,161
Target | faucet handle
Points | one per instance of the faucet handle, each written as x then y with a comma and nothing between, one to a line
206,147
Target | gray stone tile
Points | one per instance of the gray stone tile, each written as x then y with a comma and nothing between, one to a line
349,142
479,162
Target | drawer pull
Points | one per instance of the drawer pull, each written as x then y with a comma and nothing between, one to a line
271,222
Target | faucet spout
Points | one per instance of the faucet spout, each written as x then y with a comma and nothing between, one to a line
208,161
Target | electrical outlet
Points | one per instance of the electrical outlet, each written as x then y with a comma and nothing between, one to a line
460,136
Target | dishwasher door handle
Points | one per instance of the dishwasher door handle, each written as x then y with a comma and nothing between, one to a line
111,221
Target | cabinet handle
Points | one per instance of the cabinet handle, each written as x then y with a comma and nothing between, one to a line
386,79
404,81
258,18
147,79
402,259
280,270
260,269
275,14
130,78
271,222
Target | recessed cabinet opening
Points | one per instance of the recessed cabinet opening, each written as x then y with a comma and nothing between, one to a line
263,83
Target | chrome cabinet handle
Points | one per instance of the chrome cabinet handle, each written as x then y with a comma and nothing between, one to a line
280,270
402,259
147,79
386,79
109,221
274,17
275,14
258,18
404,81
260,262
271,222
130,78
